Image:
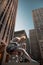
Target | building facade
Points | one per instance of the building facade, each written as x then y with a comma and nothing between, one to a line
41,50
34,48
38,24
8,9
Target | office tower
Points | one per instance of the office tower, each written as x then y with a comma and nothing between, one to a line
8,9
38,22
34,45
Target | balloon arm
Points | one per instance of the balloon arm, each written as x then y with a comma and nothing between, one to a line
25,53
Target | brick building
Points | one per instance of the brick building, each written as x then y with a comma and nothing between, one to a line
35,53
8,9
38,24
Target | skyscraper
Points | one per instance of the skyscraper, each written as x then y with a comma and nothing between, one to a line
38,22
8,9
34,47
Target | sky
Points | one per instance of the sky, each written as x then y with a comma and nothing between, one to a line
24,19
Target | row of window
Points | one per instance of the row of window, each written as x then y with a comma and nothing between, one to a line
3,15
12,25
8,14
10,31
9,26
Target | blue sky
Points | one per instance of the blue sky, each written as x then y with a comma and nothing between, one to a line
24,20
